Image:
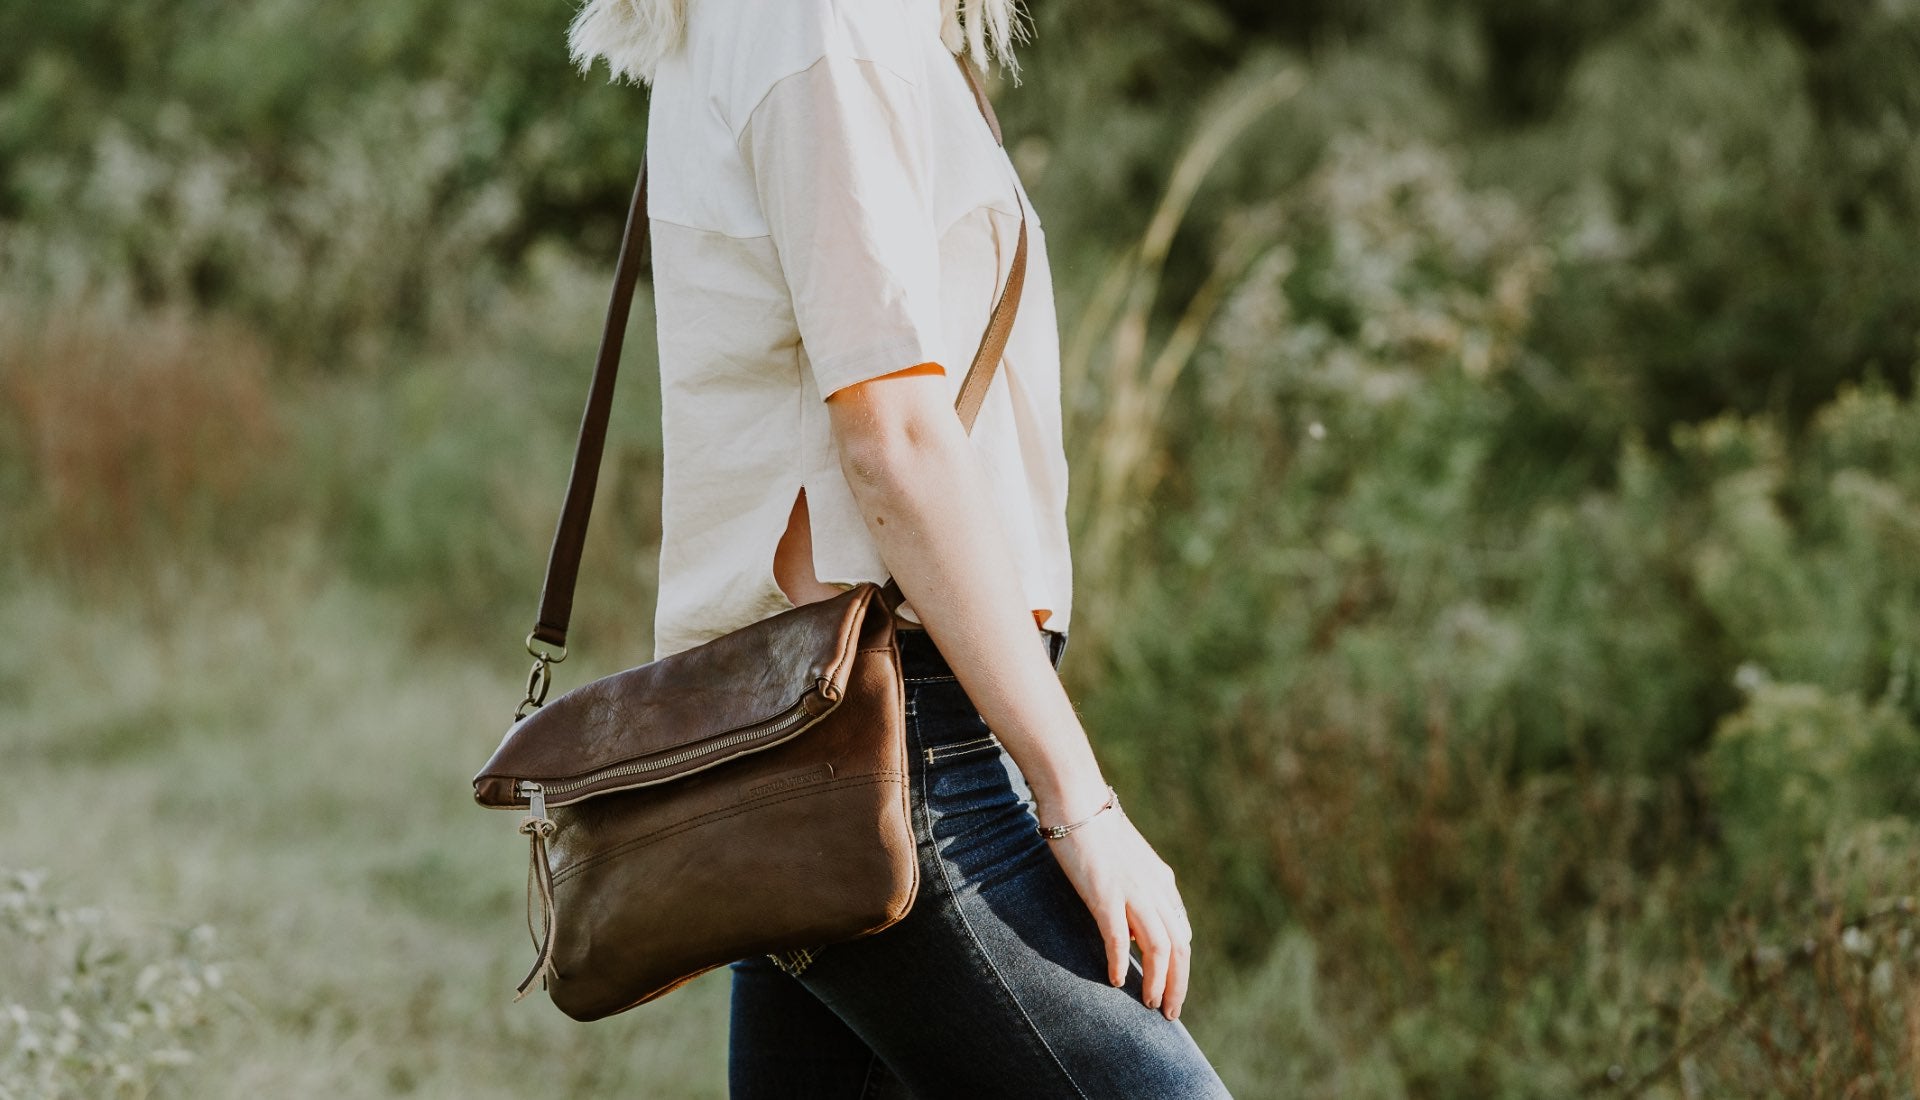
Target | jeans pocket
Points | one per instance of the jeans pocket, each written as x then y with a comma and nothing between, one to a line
938,752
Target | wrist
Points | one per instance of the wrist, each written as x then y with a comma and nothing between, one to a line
1069,798
1054,754
1066,829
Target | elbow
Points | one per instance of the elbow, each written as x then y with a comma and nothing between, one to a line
886,437
885,453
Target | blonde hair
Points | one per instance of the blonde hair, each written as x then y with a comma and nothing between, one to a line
633,35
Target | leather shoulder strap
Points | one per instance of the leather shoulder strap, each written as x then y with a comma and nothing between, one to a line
570,536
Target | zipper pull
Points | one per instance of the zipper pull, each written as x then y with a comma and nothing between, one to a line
536,799
538,828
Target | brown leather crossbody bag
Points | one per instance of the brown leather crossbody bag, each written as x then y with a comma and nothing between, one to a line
746,796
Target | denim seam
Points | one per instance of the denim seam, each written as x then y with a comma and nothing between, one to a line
935,753
973,938
869,1087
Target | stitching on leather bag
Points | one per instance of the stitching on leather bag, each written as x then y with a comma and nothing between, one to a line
849,639
864,779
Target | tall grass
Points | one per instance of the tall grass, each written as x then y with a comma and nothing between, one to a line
1509,751
132,433
1119,411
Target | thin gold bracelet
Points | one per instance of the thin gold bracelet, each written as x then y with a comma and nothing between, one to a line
1055,832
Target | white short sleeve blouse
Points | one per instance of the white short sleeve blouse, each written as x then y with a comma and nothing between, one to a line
828,205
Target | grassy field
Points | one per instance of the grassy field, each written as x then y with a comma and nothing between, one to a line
266,755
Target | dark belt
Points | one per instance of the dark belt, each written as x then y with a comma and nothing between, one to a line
1055,641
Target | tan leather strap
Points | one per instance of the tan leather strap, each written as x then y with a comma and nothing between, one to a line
569,538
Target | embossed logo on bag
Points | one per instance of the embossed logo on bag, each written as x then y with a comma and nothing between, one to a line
792,779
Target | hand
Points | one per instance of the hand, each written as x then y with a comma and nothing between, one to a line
1131,892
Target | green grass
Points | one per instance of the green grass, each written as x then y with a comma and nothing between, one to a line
267,756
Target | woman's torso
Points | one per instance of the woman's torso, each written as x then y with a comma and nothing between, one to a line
745,428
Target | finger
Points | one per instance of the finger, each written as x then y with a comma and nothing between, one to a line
1178,924
1177,921
1151,931
1113,929
1181,967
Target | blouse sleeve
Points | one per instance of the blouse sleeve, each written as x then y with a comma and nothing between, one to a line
839,158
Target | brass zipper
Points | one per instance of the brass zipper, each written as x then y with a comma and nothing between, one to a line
797,710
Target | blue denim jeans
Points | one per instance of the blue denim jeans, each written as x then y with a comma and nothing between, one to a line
994,985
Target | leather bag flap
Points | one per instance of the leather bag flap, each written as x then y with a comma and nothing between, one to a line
742,691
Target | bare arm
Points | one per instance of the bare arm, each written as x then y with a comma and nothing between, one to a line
911,468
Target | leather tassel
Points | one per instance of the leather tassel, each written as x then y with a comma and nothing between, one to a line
539,882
